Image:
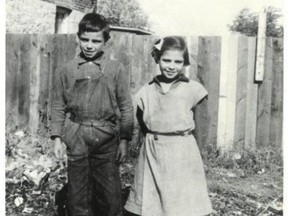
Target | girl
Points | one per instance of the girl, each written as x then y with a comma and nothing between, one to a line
169,177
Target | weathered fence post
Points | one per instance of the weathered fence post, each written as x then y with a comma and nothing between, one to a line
227,96
35,55
261,44
252,98
249,113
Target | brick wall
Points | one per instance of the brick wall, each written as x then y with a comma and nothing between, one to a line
38,16
82,5
79,5
30,16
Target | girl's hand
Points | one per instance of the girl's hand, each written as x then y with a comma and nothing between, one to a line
58,148
122,151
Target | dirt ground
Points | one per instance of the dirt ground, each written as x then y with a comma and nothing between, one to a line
239,183
236,191
260,194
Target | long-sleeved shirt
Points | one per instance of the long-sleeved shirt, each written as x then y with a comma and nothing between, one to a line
117,80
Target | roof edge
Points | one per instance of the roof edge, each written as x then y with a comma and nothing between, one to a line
129,29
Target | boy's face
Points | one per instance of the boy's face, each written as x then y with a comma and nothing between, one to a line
171,63
91,43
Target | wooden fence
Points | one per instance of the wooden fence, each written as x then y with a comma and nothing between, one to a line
242,114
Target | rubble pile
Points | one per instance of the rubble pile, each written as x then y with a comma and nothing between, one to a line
33,175
36,182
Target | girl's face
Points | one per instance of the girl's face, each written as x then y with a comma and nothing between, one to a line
91,43
171,63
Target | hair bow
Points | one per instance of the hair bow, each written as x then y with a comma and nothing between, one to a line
159,45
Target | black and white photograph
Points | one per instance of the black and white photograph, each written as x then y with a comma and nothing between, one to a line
143,108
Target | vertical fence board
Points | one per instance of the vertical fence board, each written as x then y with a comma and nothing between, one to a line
137,76
51,63
144,69
241,94
192,43
276,121
148,67
34,84
251,100
214,86
264,99
221,127
45,74
231,94
113,46
227,98
71,47
153,68
59,51
202,117
121,51
206,115
12,68
24,80
129,56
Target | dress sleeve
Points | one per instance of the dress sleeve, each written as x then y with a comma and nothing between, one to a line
199,93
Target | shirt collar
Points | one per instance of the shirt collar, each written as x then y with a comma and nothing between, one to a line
98,60
181,77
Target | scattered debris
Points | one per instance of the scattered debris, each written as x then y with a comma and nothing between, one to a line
212,195
27,210
276,207
237,156
20,134
33,175
231,175
36,182
18,201
261,171
12,181
242,174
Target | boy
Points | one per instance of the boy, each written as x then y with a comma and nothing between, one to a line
94,93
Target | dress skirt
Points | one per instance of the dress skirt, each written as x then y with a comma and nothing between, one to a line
169,179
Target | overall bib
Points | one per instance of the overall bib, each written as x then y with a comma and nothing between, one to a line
91,135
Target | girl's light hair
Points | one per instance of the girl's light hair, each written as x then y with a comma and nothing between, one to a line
168,43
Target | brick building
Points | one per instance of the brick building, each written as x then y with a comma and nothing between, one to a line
51,16
45,16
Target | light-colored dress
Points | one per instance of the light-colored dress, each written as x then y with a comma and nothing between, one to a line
169,177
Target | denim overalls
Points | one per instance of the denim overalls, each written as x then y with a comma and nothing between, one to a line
91,134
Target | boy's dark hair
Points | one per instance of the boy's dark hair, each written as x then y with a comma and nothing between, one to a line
167,43
93,22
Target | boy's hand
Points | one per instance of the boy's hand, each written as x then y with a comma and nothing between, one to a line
58,148
122,151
